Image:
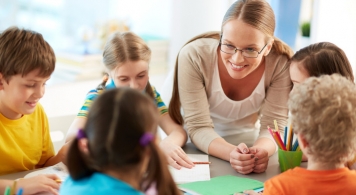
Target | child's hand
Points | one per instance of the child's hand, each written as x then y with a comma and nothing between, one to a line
175,155
39,184
242,160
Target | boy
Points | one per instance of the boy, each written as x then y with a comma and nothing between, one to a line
26,63
323,114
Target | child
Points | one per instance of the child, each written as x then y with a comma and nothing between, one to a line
26,63
126,57
324,120
116,153
322,58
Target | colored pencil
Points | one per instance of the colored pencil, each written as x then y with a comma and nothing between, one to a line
197,163
285,135
290,137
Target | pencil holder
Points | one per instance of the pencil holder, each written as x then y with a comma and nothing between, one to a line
289,159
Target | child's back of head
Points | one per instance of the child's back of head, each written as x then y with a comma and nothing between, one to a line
323,112
120,134
22,51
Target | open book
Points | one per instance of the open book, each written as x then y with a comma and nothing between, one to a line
201,172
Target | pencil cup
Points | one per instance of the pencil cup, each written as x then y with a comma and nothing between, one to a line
289,159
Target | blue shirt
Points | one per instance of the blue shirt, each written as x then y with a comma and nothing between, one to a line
97,183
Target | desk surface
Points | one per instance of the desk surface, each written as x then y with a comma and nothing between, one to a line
220,167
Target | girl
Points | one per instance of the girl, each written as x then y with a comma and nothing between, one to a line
126,57
223,78
116,152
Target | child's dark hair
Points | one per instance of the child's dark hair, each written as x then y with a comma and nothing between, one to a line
123,47
22,51
116,122
324,58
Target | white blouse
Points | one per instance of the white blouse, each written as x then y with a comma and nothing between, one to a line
235,117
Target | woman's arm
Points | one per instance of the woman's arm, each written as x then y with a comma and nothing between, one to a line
192,61
171,145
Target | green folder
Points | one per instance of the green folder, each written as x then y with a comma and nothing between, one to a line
222,185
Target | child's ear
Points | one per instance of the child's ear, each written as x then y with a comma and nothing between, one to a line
2,80
302,142
83,145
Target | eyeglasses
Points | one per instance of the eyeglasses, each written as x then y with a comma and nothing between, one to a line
248,53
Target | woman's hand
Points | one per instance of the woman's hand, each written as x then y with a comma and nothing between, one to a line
39,184
242,160
175,155
261,159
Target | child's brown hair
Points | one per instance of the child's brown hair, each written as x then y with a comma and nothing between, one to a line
324,58
116,123
22,51
323,112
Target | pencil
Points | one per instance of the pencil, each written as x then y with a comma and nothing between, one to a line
7,190
290,138
20,191
197,163
285,136
58,180
276,125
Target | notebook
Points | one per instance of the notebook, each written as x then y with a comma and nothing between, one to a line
201,172
222,185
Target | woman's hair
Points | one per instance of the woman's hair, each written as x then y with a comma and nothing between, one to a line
22,51
323,112
116,123
123,47
324,58
258,14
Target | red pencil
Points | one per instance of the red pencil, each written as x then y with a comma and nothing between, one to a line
202,163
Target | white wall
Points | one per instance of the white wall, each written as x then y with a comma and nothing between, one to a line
335,21
192,17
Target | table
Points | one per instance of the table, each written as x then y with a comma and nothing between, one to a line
220,167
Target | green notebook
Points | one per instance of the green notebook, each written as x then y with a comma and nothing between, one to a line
222,185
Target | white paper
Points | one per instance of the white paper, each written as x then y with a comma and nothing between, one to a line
201,172
59,169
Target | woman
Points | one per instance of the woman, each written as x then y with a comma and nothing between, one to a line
223,79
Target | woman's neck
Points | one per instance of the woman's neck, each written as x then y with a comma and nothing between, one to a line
318,166
129,177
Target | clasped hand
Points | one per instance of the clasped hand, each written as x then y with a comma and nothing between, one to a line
246,160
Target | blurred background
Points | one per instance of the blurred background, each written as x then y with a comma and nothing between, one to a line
78,29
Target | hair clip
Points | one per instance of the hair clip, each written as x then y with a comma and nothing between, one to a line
81,134
146,138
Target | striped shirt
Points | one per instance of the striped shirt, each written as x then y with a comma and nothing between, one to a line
93,94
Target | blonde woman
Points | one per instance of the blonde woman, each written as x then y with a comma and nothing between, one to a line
225,81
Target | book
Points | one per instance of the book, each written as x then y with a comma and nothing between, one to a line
200,172
221,185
